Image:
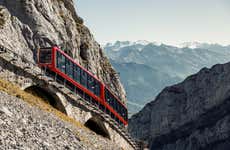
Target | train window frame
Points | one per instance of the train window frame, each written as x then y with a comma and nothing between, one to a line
45,58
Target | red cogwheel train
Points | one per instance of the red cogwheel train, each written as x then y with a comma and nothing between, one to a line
79,80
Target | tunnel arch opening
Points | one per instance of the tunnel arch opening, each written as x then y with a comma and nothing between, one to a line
96,125
47,96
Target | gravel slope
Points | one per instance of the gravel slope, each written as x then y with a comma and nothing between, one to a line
27,127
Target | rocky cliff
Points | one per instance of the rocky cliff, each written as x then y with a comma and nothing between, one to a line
192,115
26,25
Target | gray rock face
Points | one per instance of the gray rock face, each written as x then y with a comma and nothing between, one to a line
192,115
29,24
27,127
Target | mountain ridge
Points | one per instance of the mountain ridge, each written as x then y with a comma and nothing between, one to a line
189,115
176,63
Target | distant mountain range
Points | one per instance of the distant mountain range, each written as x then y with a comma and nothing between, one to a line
147,67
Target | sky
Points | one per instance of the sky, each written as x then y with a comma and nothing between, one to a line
168,21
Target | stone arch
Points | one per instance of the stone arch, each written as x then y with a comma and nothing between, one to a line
50,97
97,125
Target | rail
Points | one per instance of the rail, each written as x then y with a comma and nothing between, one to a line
32,68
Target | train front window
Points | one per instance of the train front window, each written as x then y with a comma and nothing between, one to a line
45,55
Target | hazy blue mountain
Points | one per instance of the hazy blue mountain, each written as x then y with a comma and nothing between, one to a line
140,82
146,68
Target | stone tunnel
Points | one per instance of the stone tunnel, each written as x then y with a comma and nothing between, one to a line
95,124
48,96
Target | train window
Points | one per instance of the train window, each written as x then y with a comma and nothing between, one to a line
110,100
126,115
93,85
123,112
45,55
113,102
77,73
90,83
61,62
69,68
106,95
83,78
97,88
118,108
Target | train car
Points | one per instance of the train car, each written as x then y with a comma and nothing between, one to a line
79,80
